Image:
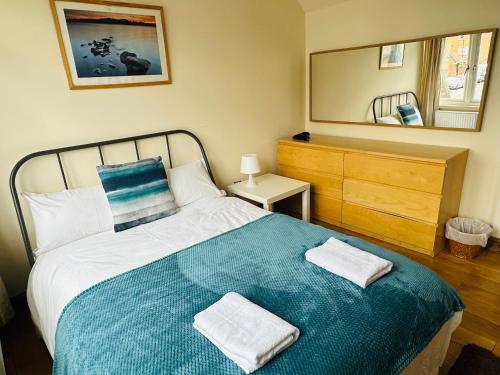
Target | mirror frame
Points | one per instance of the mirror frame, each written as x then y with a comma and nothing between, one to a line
484,93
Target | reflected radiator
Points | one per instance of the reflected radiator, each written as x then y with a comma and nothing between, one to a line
456,119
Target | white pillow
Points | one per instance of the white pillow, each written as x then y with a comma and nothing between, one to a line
393,120
69,215
191,182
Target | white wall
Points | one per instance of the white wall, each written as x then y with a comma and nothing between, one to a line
362,22
237,68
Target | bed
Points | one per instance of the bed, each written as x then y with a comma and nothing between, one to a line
124,302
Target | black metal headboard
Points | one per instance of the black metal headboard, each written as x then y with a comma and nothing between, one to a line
379,101
99,146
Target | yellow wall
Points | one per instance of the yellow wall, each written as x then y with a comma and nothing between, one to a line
237,68
345,83
362,22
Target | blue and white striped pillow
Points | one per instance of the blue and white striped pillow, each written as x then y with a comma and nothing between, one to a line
137,192
410,114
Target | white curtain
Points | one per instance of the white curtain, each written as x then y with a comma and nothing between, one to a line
6,311
430,79
2,366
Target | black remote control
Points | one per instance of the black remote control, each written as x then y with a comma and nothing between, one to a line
302,136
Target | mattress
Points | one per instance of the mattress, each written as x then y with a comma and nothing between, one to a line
60,275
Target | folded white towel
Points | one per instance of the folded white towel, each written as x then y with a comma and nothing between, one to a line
353,264
246,333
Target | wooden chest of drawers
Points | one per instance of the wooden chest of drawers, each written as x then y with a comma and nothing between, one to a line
398,192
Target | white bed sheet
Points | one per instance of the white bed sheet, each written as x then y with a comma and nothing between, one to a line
61,274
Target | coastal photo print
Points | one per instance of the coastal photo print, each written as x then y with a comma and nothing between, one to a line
109,44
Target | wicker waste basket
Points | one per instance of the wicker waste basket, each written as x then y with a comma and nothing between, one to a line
467,236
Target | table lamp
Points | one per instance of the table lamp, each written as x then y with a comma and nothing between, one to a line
250,166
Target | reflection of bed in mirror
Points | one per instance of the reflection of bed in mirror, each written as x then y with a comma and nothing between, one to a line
444,76
385,107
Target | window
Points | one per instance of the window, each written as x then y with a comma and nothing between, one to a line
463,68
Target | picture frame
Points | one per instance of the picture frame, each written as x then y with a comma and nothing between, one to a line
392,56
106,44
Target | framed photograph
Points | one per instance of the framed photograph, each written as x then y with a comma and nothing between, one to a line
110,44
391,56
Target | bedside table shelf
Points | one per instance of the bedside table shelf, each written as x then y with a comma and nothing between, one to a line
272,188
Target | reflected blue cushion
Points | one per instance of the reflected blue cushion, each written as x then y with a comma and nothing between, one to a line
137,192
410,114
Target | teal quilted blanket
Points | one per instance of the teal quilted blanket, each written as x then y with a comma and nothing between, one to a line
140,322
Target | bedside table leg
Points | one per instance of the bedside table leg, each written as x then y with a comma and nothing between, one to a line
268,206
306,205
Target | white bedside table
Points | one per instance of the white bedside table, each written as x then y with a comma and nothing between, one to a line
271,188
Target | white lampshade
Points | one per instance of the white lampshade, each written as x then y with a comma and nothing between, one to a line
249,164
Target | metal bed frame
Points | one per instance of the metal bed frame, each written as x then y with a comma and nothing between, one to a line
390,97
99,146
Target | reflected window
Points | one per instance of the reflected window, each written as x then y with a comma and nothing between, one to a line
464,60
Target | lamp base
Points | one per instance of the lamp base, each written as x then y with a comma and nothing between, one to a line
250,183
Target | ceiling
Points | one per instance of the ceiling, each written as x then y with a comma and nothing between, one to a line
309,5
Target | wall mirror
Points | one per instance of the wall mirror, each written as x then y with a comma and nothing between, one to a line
438,82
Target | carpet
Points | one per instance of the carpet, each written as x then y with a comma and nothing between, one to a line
476,360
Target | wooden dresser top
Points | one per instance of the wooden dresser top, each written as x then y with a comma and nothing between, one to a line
435,154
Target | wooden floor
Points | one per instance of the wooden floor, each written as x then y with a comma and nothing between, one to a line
477,281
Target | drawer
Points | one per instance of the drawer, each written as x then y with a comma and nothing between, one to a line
396,172
326,209
386,226
321,183
410,203
309,158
